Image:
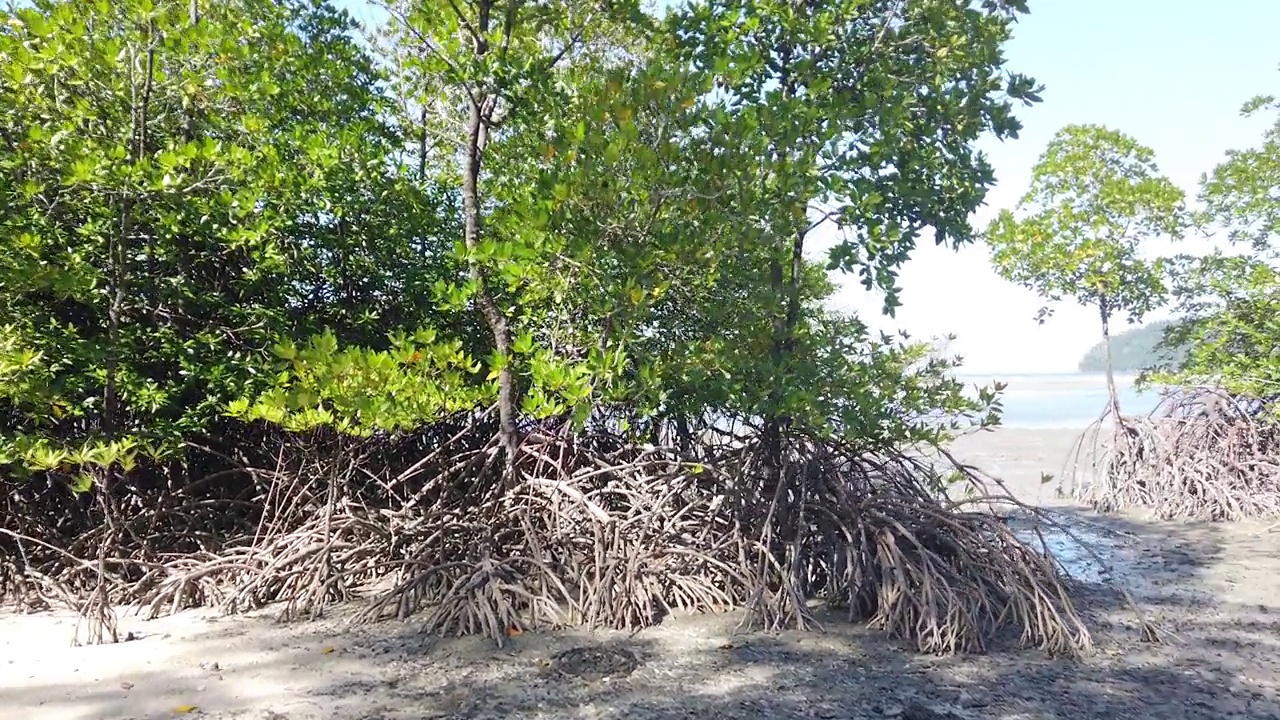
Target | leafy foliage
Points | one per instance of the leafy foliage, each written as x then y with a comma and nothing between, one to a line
1232,300
1096,197
199,205
358,391
174,195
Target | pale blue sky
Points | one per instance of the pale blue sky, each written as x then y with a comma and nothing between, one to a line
1172,73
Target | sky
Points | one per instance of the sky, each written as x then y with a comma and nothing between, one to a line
1171,73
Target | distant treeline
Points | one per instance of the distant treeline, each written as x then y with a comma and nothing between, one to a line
1132,351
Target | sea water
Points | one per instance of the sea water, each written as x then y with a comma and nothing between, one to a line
1071,401
1067,400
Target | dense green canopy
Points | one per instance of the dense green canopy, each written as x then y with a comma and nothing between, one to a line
240,210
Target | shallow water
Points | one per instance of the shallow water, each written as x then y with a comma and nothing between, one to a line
1085,551
1071,400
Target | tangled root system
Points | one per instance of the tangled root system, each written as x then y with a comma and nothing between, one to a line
583,528
1202,455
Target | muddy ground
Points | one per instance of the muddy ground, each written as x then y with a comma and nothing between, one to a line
1213,589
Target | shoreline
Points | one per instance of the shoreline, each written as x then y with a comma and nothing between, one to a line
1018,458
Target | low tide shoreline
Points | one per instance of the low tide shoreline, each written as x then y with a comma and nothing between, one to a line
1019,457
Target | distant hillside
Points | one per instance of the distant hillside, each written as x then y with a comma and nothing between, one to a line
1131,351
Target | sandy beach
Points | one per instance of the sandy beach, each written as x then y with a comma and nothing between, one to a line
1213,589
1019,458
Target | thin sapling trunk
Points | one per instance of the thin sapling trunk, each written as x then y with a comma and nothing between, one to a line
1104,311
481,106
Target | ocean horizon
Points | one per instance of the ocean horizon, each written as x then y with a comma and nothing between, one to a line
1061,400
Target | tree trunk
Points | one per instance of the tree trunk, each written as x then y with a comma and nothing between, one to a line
793,289
482,104
684,437
771,434
1104,311
784,325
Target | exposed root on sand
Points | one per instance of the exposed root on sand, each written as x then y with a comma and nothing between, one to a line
587,528
1202,455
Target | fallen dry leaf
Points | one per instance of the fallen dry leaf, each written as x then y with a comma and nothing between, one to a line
184,709
326,651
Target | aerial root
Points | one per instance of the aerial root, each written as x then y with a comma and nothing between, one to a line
586,528
1203,455
623,541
